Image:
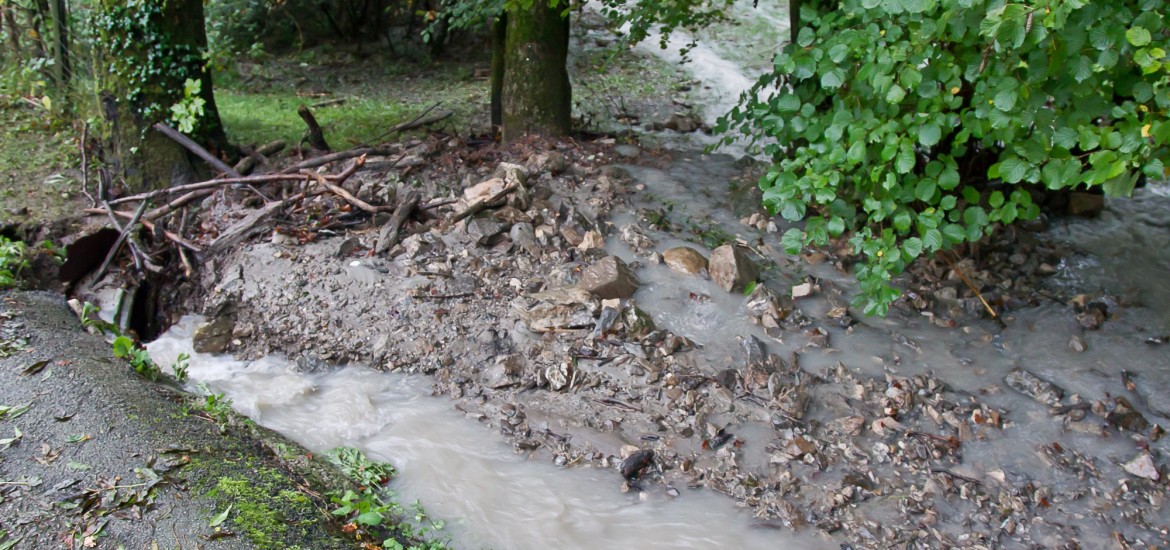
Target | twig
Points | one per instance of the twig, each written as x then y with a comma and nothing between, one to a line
437,203
196,148
971,286
425,296
85,165
484,203
417,121
326,159
259,156
618,403
328,102
956,476
121,239
149,225
171,206
341,192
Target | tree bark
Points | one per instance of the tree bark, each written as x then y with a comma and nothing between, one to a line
499,44
536,95
63,55
170,35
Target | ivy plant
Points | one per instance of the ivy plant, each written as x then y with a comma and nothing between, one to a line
918,125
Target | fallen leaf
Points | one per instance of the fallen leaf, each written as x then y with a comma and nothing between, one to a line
35,367
77,466
221,517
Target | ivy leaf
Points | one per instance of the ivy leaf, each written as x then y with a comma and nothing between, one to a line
896,94
833,79
913,247
933,240
904,162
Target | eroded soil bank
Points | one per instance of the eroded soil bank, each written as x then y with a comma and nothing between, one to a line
91,455
565,321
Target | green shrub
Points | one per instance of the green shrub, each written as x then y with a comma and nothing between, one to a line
13,260
922,124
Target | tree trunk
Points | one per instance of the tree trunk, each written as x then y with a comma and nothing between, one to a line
63,55
499,39
536,96
153,47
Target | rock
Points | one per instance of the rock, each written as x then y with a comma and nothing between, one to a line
557,309
1084,204
731,268
1033,386
591,241
638,323
506,372
552,162
524,235
802,290
627,151
685,259
610,277
1077,344
1143,465
213,336
680,122
604,323
557,376
483,231
481,191
633,465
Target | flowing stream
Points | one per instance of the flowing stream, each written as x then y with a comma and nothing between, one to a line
461,472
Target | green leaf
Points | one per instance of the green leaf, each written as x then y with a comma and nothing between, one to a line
372,519
1013,170
913,247
793,241
221,517
833,79
896,94
856,152
905,160
925,190
1137,36
929,134
1005,100
933,240
902,221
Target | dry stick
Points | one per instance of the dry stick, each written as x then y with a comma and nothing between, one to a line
264,178
173,237
170,206
389,235
196,148
341,192
418,121
326,159
971,286
121,239
481,204
259,156
134,251
85,165
437,203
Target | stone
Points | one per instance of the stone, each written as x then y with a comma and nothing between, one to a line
591,241
680,122
627,151
557,309
685,259
524,236
558,376
802,290
1084,204
505,372
638,323
481,191
609,277
1035,387
731,268
552,162
213,336
483,231
1143,465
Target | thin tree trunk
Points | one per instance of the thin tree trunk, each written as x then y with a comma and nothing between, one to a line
499,40
9,16
537,96
64,56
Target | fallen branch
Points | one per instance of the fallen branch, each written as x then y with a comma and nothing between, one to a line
341,192
970,285
315,136
259,156
326,159
477,206
437,203
173,237
195,148
390,233
121,239
328,102
417,122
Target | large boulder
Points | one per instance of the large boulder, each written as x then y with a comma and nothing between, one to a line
609,278
731,268
685,259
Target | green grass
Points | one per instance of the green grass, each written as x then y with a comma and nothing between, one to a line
260,118
33,149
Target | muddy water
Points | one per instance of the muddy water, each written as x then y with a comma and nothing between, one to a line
461,472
